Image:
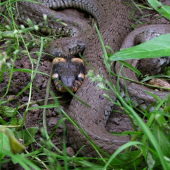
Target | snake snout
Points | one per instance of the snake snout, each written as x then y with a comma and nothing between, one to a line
69,81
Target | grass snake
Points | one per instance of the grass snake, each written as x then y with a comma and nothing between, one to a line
114,24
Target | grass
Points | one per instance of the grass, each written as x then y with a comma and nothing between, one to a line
153,137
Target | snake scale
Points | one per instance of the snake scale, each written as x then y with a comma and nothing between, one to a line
114,24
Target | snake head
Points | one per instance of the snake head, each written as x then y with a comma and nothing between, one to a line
70,72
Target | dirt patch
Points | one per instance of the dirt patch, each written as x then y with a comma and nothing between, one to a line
116,123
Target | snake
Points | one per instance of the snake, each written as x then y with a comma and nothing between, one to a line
153,66
114,24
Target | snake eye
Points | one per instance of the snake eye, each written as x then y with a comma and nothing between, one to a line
55,76
80,77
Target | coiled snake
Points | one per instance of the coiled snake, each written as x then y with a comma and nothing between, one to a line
114,25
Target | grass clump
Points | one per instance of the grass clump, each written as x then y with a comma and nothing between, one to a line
154,142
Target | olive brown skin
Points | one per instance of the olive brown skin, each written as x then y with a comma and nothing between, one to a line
114,24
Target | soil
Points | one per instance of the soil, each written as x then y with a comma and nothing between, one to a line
116,123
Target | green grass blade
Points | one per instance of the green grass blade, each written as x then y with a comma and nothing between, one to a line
123,147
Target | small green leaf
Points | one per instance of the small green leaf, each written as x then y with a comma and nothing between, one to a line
3,57
2,122
6,111
4,144
29,135
15,146
14,121
162,121
167,71
150,161
163,139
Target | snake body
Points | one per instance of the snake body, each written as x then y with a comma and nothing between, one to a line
114,25
137,91
113,28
